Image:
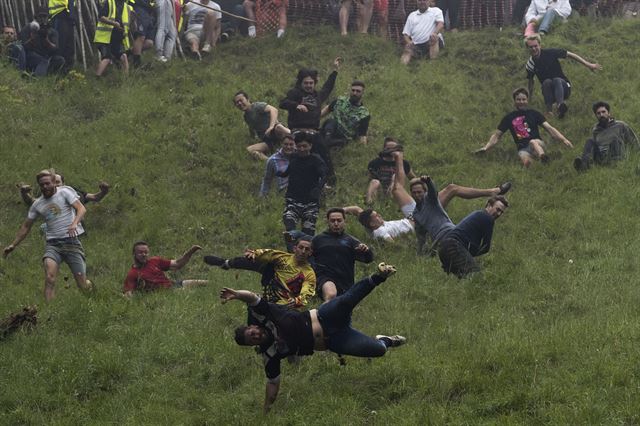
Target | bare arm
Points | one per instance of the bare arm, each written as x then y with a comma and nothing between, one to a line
325,111
354,210
98,196
179,264
591,66
80,211
556,134
493,140
21,235
273,118
248,297
271,393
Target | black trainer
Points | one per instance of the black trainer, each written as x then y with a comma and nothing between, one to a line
579,165
392,341
214,260
545,159
504,188
562,110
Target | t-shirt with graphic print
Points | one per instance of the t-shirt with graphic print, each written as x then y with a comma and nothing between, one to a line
57,211
523,125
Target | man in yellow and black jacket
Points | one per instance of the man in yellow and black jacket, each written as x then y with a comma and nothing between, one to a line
62,19
112,34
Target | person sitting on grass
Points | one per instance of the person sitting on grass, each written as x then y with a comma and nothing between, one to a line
287,278
542,13
148,273
524,123
348,119
203,26
278,162
545,64
457,245
382,170
262,120
610,140
282,332
389,231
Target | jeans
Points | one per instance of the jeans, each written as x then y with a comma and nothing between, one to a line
555,90
17,56
547,20
64,24
42,65
166,32
335,319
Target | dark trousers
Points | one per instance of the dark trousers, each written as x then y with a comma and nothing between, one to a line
455,258
555,90
17,56
42,65
64,24
453,6
332,137
335,318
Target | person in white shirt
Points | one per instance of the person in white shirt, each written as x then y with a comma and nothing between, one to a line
542,13
203,26
421,33
63,212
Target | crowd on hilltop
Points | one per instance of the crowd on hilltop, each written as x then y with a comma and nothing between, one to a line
298,156
125,28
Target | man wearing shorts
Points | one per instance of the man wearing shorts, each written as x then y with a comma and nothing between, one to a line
148,273
203,26
335,254
524,123
62,212
382,170
112,35
262,120
421,33
458,244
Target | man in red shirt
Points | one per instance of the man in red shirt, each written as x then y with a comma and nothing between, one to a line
148,273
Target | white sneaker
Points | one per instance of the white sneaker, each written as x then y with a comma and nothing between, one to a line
396,340
161,58
252,31
280,33
206,48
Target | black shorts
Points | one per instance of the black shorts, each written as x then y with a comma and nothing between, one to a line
145,23
271,140
114,50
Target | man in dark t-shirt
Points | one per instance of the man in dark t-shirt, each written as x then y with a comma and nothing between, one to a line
262,121
335,254
278,332
524,125
458,244
382,169
545,64
307,174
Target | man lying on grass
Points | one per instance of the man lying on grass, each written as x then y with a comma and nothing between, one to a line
283,332
148,273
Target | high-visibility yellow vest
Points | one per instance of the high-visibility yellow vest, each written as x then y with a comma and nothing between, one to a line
57,6
103,30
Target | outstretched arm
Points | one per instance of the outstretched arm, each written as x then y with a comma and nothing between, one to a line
577,58
556,134
246,296
179,263
22,233
270,396
354,210
493,140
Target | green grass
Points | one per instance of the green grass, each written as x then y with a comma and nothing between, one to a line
533,339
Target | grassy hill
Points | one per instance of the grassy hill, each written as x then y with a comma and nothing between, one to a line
533,339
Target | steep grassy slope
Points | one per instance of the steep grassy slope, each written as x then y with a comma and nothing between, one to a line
533,339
